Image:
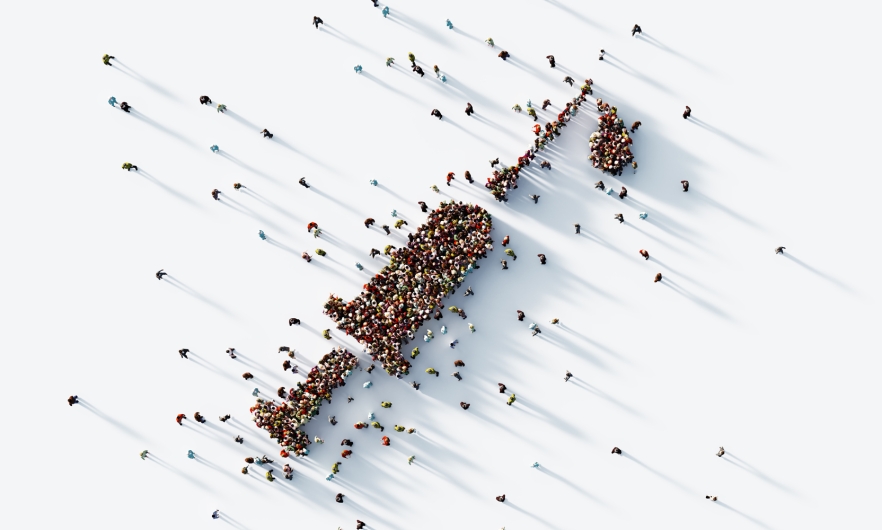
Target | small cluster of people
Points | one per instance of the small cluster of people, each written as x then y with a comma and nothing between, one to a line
610,144
506,178
407,292
282,421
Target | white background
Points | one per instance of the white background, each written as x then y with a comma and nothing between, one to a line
770,356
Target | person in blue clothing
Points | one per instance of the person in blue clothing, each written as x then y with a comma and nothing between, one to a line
215,514
191,455
357,69
112,101
261,234
449,24
214,148
385,11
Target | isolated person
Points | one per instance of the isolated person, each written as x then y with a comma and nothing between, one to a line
449,24
685,184
437,113
602,53
316,21
534,198
183,353
266,133
636,125
129,166
569,80
636,29
644,253
623,193
464,405
550,60
599,184
567,376
302,182
160,274
73,400
780,250
687,112
390,61
238,186
501,498
261,234
541,259
106,59
578,228
215,194
520,315
504,55
711,497
221,108
385,11
144,454
306,256
469,110
214,148
204,100
619,217
215,514
721,452
616,451
292,321
658,278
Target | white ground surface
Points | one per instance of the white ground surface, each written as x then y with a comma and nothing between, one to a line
771,356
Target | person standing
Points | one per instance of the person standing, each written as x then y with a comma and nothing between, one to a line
160,274
644,253
303,183
721,452
578,228
616,451
620,217
551,61
215,514
204,100
501,498
658,278
73,400
183,353
437,113
469,110
106,59
687,112
685,184
316,21
567,376
780,250
636,29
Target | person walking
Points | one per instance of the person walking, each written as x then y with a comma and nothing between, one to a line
125,107
636,29
437,113
266,133
578,228
534,198
551,60
721,452
687,112
469,110
112,101
541,259
215,514
620,217
129,166
623,193
106,59
144,454
780,250
214,149
221,108
599,184
569,80
636,125
685,184
385,11
204,100
183,353
602,53
464,405
616,451
316,21
449,24
711,497
644,253
263,236
73,400
658,278
567,376
520,315
500,498
160,274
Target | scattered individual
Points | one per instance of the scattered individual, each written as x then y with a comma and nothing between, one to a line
464,405
124,106
73,400
568,80
711,497
534,198
620,217
616,451
204,100
221,108
602,53
636,29
183,353
685,184
215,194
504,55
644,253
316,21
721,452
501,498
215,514
144,454
469,110
520,315
658,278
623,193
687,112
303,183
541,258
266,133
636,125
502,388
457,376
567,376
437,113
106,59
599,184
780,250
578,228
129,166
160,274
550,60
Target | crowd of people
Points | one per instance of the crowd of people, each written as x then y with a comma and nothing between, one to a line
283,420
610,144
408,291
506,178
